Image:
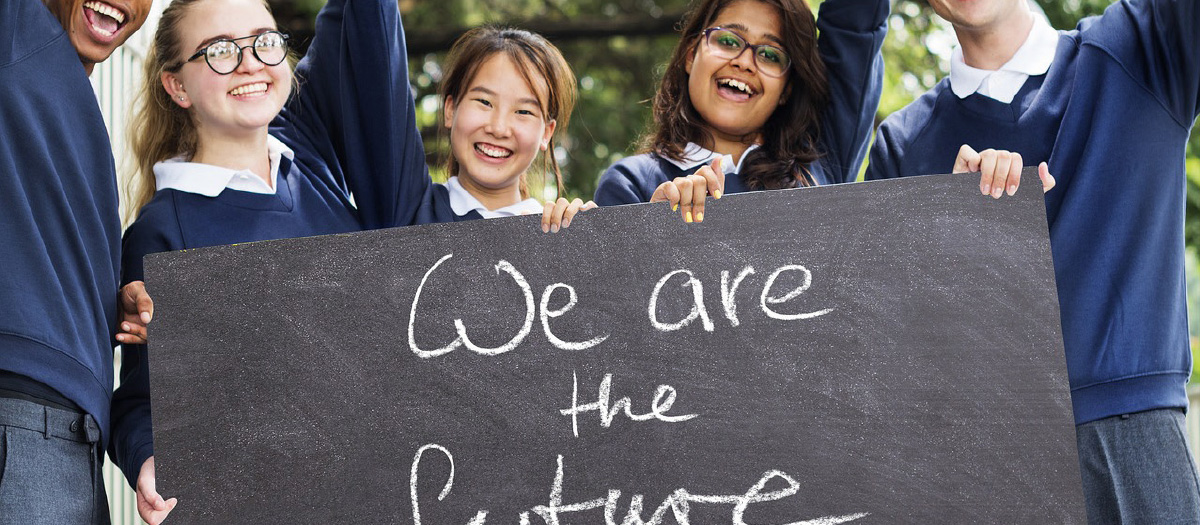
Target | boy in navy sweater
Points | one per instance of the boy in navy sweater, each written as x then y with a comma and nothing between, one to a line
1109,105
61,235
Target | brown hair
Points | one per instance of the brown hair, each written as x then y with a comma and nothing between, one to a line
790,135
536,58
161,129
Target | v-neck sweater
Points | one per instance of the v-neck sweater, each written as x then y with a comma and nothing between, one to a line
1112,118
850,40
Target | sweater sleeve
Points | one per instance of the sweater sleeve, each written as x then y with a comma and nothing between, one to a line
1158,43
132,436
624,183
850,40
885,157
354,107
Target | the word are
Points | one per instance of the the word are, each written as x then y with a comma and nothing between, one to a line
728,297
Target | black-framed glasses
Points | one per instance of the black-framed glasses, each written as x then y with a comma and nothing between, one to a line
225,55
727,44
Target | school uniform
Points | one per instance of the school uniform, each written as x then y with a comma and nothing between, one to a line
345,155
1109,105
60,231
851,36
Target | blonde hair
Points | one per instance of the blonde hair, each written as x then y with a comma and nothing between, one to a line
160,128
535,57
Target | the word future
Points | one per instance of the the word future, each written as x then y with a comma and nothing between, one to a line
678,503
768,300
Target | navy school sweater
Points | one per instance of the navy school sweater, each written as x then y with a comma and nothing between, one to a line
1112,118
851,36
352,129
58,214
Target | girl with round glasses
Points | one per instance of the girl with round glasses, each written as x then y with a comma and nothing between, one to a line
751,91
229,151
225,55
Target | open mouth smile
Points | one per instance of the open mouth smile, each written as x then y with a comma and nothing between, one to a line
735,89
494,152
103,19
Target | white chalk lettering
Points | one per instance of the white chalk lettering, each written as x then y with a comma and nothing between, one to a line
698,309
525,328
765,297
479,518
678,502
547,313
664,398
527,293
412,316
728,293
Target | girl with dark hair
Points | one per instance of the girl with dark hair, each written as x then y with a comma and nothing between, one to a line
506,94
753,89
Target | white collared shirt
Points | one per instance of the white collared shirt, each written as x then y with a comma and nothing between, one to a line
462,202
210,181
1031,59
695,155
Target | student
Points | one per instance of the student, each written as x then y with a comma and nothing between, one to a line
225,160
1109,105
506,93
60,231
752,84
218,76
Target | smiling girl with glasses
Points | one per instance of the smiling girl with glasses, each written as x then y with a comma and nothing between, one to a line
751,83
229,150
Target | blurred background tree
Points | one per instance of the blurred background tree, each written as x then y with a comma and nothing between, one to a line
618,48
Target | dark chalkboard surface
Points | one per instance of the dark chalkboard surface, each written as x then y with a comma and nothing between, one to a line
874,353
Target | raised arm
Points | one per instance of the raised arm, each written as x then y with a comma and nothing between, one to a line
851,36
1158,42
354,108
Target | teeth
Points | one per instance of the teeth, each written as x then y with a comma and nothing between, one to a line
493,152
106,10
258,87
736,84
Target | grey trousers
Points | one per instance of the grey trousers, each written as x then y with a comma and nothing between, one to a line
1137,470
50,466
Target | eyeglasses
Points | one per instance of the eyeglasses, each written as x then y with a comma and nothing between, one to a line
726,44
225,55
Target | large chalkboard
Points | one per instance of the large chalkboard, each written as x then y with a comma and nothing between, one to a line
871,353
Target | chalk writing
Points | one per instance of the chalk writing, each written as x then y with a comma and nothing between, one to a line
678,503
728,298
526,326
664,398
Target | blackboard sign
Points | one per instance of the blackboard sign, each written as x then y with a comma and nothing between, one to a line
877,353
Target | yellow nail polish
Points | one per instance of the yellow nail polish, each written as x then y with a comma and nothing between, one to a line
717,194
700,217
687,217
674,207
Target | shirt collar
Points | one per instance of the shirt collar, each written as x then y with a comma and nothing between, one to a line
462,202
210,181
695,155
1031,59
